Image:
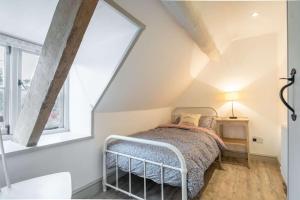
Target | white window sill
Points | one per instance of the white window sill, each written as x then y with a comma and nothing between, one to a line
46,141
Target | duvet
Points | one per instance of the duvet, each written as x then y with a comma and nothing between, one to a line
199,147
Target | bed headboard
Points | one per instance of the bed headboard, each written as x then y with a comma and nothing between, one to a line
205,111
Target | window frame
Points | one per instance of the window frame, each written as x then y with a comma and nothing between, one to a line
6,88
65,127
12,90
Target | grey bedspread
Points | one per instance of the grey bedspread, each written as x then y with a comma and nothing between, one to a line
199,150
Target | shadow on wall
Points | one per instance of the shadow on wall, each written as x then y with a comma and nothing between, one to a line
250,67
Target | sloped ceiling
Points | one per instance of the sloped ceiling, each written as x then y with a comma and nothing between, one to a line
165,59
30,19
160,66
151,82
227,21
232,23
188,16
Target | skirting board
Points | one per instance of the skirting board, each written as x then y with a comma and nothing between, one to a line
94,187
88,190
266,158
283,173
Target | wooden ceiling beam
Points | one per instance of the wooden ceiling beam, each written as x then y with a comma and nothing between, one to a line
69,23
187,15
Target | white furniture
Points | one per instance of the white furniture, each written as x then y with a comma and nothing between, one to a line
235,134
53,186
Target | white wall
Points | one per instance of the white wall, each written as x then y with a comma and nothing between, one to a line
283,113
282,72
249,66
103,47
161,65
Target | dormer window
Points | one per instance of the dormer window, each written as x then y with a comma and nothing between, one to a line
17,66
107,42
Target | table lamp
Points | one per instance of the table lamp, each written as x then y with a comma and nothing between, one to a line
232,96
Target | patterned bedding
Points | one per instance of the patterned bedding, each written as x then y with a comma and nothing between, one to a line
200,147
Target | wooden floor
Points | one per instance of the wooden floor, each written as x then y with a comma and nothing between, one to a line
235,182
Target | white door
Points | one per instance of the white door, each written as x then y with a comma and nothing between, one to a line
294,100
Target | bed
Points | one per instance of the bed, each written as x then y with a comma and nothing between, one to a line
170,154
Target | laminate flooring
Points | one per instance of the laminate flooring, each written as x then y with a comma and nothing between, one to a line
262,181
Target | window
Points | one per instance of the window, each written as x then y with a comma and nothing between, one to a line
29,63
17,67
2,85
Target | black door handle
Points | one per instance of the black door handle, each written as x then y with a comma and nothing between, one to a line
292,80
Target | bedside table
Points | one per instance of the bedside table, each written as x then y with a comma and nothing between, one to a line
235,134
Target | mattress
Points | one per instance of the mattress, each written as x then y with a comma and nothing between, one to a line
198,148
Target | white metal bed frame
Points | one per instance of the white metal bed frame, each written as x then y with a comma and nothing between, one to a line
179,155
182,169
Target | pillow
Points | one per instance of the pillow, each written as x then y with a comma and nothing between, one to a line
189,119
176,120
206,121
213,125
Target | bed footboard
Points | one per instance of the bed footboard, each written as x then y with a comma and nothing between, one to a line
182,169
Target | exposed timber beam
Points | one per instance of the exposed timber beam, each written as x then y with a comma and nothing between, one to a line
69,23
189,17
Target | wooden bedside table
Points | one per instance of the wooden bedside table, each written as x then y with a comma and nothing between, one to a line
235,134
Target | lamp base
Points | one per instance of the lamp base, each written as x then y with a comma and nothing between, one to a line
233,117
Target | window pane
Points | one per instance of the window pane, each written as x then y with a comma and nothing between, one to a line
1,106
2,57
29,63
56,118
2,67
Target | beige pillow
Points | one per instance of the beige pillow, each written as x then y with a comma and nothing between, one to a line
206,121
189,119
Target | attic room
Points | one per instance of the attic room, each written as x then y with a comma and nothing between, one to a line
137,99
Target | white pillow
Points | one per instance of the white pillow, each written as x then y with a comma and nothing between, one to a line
189,119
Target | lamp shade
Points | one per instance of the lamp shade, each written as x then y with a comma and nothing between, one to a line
231,96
